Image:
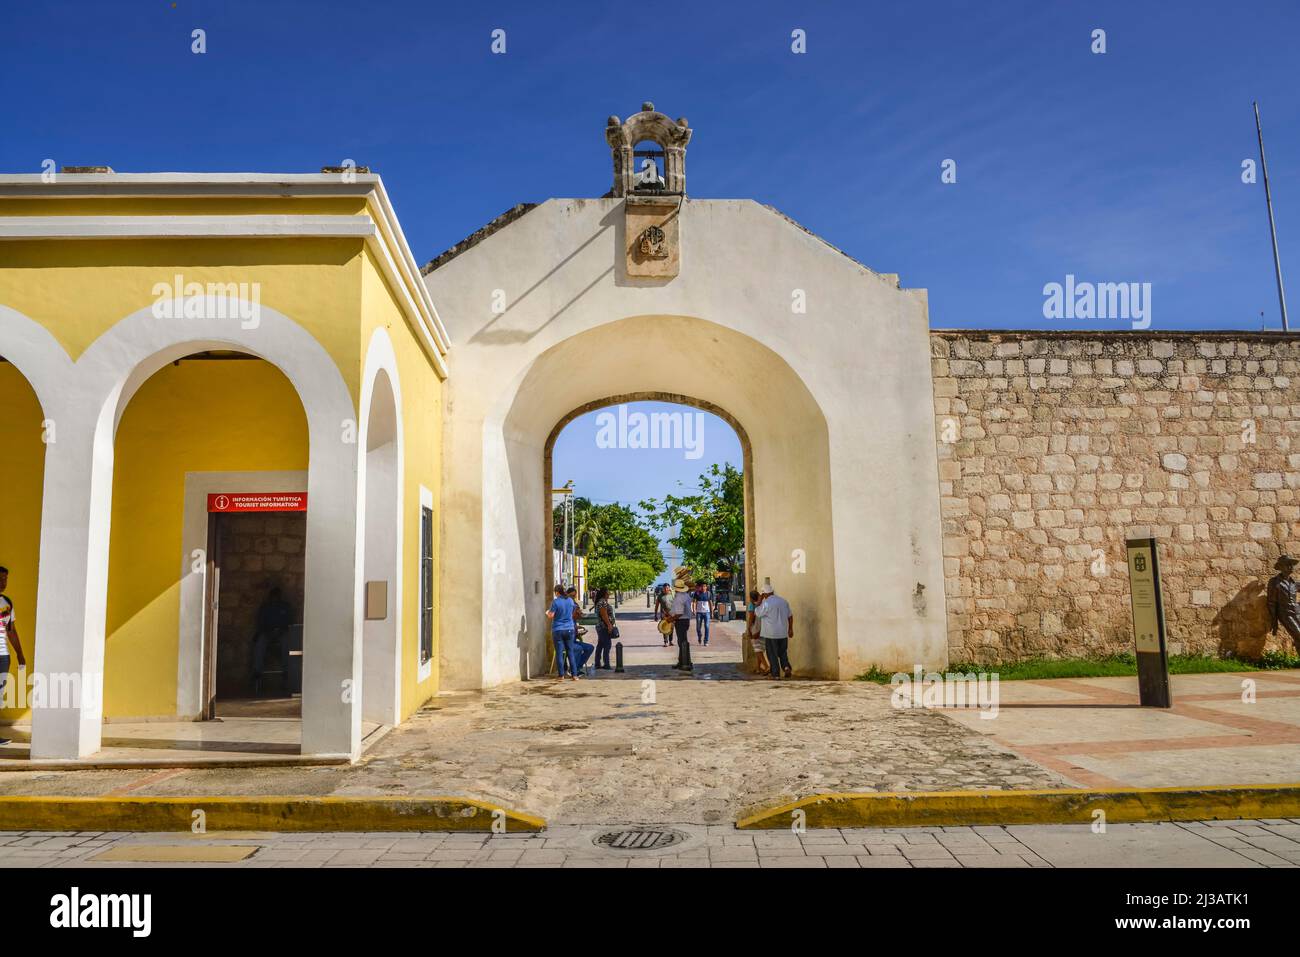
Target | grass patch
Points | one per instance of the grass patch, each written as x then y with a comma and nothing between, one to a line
1109,667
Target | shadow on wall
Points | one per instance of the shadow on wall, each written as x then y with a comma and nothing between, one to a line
1243,622
521,642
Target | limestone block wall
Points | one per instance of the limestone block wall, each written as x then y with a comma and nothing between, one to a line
1055,446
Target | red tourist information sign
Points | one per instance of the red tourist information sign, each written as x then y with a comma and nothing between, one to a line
257,502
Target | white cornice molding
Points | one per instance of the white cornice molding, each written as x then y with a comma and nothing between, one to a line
38,185
190,227
380,231
410,268
424,328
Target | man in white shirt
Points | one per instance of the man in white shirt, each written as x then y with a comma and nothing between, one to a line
776,628
683,610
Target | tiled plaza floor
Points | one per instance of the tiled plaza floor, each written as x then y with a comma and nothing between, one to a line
1224,728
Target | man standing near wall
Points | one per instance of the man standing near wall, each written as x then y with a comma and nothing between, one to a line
1282,599
683,613
776,627
8,636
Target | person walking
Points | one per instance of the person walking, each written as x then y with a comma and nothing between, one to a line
562,633
682,610
702,613
606,628
8,636
664,612
776,625
761,667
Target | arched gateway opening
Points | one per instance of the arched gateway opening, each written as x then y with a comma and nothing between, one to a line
642,428
685,358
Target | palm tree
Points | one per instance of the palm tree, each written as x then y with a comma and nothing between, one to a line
586,529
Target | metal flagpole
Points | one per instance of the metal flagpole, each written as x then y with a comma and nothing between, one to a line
1272,227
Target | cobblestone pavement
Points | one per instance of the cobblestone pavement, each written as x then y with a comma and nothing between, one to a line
648,745
1271,843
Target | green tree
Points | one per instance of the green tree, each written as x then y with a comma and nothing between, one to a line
610,531
587,528
619,574
710,522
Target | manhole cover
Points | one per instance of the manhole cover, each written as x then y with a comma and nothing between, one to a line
640,838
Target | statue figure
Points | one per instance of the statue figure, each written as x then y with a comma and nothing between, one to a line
1282,590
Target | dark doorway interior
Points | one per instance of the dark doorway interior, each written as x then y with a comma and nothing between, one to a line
257,553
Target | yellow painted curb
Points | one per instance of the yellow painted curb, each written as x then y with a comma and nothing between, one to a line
1055,806
259,814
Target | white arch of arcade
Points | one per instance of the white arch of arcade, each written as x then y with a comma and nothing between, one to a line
86,399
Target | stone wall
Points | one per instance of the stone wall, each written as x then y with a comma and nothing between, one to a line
1053,447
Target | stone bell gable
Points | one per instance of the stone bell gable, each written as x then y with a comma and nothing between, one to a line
653,126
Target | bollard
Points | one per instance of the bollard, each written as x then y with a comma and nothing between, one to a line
618,656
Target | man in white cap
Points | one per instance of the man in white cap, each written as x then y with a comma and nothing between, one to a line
683,613
776,628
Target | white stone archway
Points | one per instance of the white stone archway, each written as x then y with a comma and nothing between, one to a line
787,433
383,468
824,362
86,407
35,353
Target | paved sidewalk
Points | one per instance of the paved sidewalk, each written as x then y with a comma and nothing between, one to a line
1224,728
650,744
1211,844
705,748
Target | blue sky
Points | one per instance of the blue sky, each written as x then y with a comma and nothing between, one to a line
604,474
1120,167
1116,167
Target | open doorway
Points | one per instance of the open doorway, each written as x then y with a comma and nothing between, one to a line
650,496
256,595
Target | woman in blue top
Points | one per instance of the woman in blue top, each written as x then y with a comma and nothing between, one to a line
562,633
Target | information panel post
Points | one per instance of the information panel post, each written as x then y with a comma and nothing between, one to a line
1148,623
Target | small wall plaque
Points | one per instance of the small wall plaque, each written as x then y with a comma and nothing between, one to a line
376,601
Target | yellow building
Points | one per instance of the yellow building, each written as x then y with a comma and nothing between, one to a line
216,385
